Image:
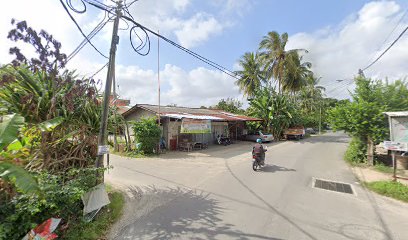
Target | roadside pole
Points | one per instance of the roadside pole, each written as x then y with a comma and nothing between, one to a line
108,87
320,120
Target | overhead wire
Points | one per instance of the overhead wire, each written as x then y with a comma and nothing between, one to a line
386,50
196,55
77,25
93,75
95,31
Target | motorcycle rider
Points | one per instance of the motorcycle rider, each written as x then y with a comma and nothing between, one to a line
259,151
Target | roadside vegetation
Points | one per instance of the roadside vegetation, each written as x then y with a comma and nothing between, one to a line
390,189
98,228
48,138
363,118
281,88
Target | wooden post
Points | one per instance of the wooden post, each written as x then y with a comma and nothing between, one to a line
370,151
394,166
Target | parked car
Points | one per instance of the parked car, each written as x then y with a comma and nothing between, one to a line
266,137
296,132
310,131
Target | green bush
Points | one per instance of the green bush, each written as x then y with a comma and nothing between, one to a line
356,152
147,133
60,197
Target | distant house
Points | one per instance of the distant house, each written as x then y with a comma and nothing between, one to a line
191,124
121,104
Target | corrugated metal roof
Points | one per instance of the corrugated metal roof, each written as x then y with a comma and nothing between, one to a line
397,114
194,113
180,116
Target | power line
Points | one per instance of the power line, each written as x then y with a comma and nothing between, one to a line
95,31
395,27
77,25
386,50
196,55
93,75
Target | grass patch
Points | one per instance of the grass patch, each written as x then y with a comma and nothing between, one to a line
382,168
391,189
99,227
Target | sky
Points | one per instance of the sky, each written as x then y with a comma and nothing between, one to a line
341,36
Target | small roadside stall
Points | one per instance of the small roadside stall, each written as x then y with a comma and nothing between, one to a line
398,122
198,129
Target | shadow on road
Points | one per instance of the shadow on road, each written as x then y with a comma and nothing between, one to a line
275,168
272,209
175,213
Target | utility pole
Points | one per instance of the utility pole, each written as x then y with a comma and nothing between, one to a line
158,80
320,120
105,105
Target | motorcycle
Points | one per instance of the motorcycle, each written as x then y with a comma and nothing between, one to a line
257,163
221,140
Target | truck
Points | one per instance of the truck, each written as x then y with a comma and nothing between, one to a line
295,132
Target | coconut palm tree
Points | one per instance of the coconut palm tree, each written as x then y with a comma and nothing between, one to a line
251,77
296,73
274,57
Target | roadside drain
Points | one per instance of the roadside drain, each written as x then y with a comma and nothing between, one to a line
332,186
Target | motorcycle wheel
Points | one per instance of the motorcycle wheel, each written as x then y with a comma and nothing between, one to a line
255,166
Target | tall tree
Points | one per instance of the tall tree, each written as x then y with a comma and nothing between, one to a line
296,73
283,65
251,76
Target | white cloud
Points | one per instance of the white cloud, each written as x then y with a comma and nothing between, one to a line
338,52
198,29
193,88
170,17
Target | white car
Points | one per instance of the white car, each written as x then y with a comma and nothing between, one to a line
266,137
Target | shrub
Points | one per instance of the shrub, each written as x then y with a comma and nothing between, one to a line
147,133
60,197
356,151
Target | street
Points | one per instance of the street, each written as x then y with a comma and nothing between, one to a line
215,194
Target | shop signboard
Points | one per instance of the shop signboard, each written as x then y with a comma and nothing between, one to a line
195,126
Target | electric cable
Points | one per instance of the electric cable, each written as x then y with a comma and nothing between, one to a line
93,75
95,31
386,50
77,25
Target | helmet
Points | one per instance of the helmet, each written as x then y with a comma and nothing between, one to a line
259,140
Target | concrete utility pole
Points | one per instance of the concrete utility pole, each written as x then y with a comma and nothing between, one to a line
105,107
320,120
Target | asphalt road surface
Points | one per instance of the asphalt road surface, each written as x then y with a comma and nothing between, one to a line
215,194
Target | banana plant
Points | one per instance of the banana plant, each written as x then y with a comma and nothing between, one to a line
9,129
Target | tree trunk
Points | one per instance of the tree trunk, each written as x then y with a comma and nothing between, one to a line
370,151
128,134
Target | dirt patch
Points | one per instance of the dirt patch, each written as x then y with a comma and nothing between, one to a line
371,175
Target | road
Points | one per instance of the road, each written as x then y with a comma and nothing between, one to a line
214,194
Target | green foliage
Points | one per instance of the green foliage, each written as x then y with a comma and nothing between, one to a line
277,111
382,168
100,225
9,128
390,189
360,119
284,66
356,152
251,75
363,118
147,133
23,181
230,105
60,197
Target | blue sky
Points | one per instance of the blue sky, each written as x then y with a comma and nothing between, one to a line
341,36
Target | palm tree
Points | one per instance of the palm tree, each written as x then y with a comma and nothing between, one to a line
251,77
296,73
274,56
